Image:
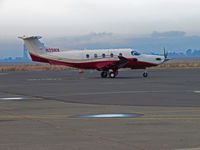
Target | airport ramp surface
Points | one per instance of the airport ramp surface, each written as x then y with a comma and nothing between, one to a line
43,110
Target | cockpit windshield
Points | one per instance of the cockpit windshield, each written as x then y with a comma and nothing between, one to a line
134,53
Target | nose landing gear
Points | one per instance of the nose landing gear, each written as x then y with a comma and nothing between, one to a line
145,74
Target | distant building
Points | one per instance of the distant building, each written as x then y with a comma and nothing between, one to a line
26,54
24,59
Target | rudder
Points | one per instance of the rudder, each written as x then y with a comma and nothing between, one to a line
33,45
35,48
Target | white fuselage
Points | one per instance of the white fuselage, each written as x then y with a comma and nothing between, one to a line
78,56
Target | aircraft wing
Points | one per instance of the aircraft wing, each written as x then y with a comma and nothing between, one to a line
113,65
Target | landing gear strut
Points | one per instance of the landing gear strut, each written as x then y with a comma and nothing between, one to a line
145,74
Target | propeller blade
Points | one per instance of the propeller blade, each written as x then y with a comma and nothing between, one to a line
165,53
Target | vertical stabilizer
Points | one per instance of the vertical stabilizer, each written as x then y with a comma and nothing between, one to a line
34,45
35,48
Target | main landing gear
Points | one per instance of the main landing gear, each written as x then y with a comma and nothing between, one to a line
112,74
104,74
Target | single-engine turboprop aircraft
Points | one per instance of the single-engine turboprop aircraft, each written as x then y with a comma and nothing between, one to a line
108,61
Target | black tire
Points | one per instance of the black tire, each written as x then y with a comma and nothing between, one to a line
104,74
145,74
112,75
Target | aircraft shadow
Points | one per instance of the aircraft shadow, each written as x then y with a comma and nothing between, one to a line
117,78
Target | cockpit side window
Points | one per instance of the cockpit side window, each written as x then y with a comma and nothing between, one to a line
134,53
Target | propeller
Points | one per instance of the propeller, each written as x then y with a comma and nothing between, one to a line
165,55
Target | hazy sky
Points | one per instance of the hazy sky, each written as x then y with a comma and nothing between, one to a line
77,17
122,22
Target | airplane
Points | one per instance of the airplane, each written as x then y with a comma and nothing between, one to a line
108,61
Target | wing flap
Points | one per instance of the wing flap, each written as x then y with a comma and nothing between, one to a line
113,64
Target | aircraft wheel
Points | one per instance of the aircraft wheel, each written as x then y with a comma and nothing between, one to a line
145,74
112,75
104,74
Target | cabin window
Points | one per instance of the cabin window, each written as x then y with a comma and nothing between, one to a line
103,55
95,55
87,56
111,55
120,54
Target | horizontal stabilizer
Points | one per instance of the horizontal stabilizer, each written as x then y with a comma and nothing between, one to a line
30,37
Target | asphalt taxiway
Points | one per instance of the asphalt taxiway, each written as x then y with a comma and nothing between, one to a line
38,110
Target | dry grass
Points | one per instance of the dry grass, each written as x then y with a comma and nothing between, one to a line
179,64
184,63
32,67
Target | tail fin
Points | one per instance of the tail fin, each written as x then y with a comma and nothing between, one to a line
35,47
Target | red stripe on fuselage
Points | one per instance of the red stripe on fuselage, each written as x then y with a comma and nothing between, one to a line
93,65
38,59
